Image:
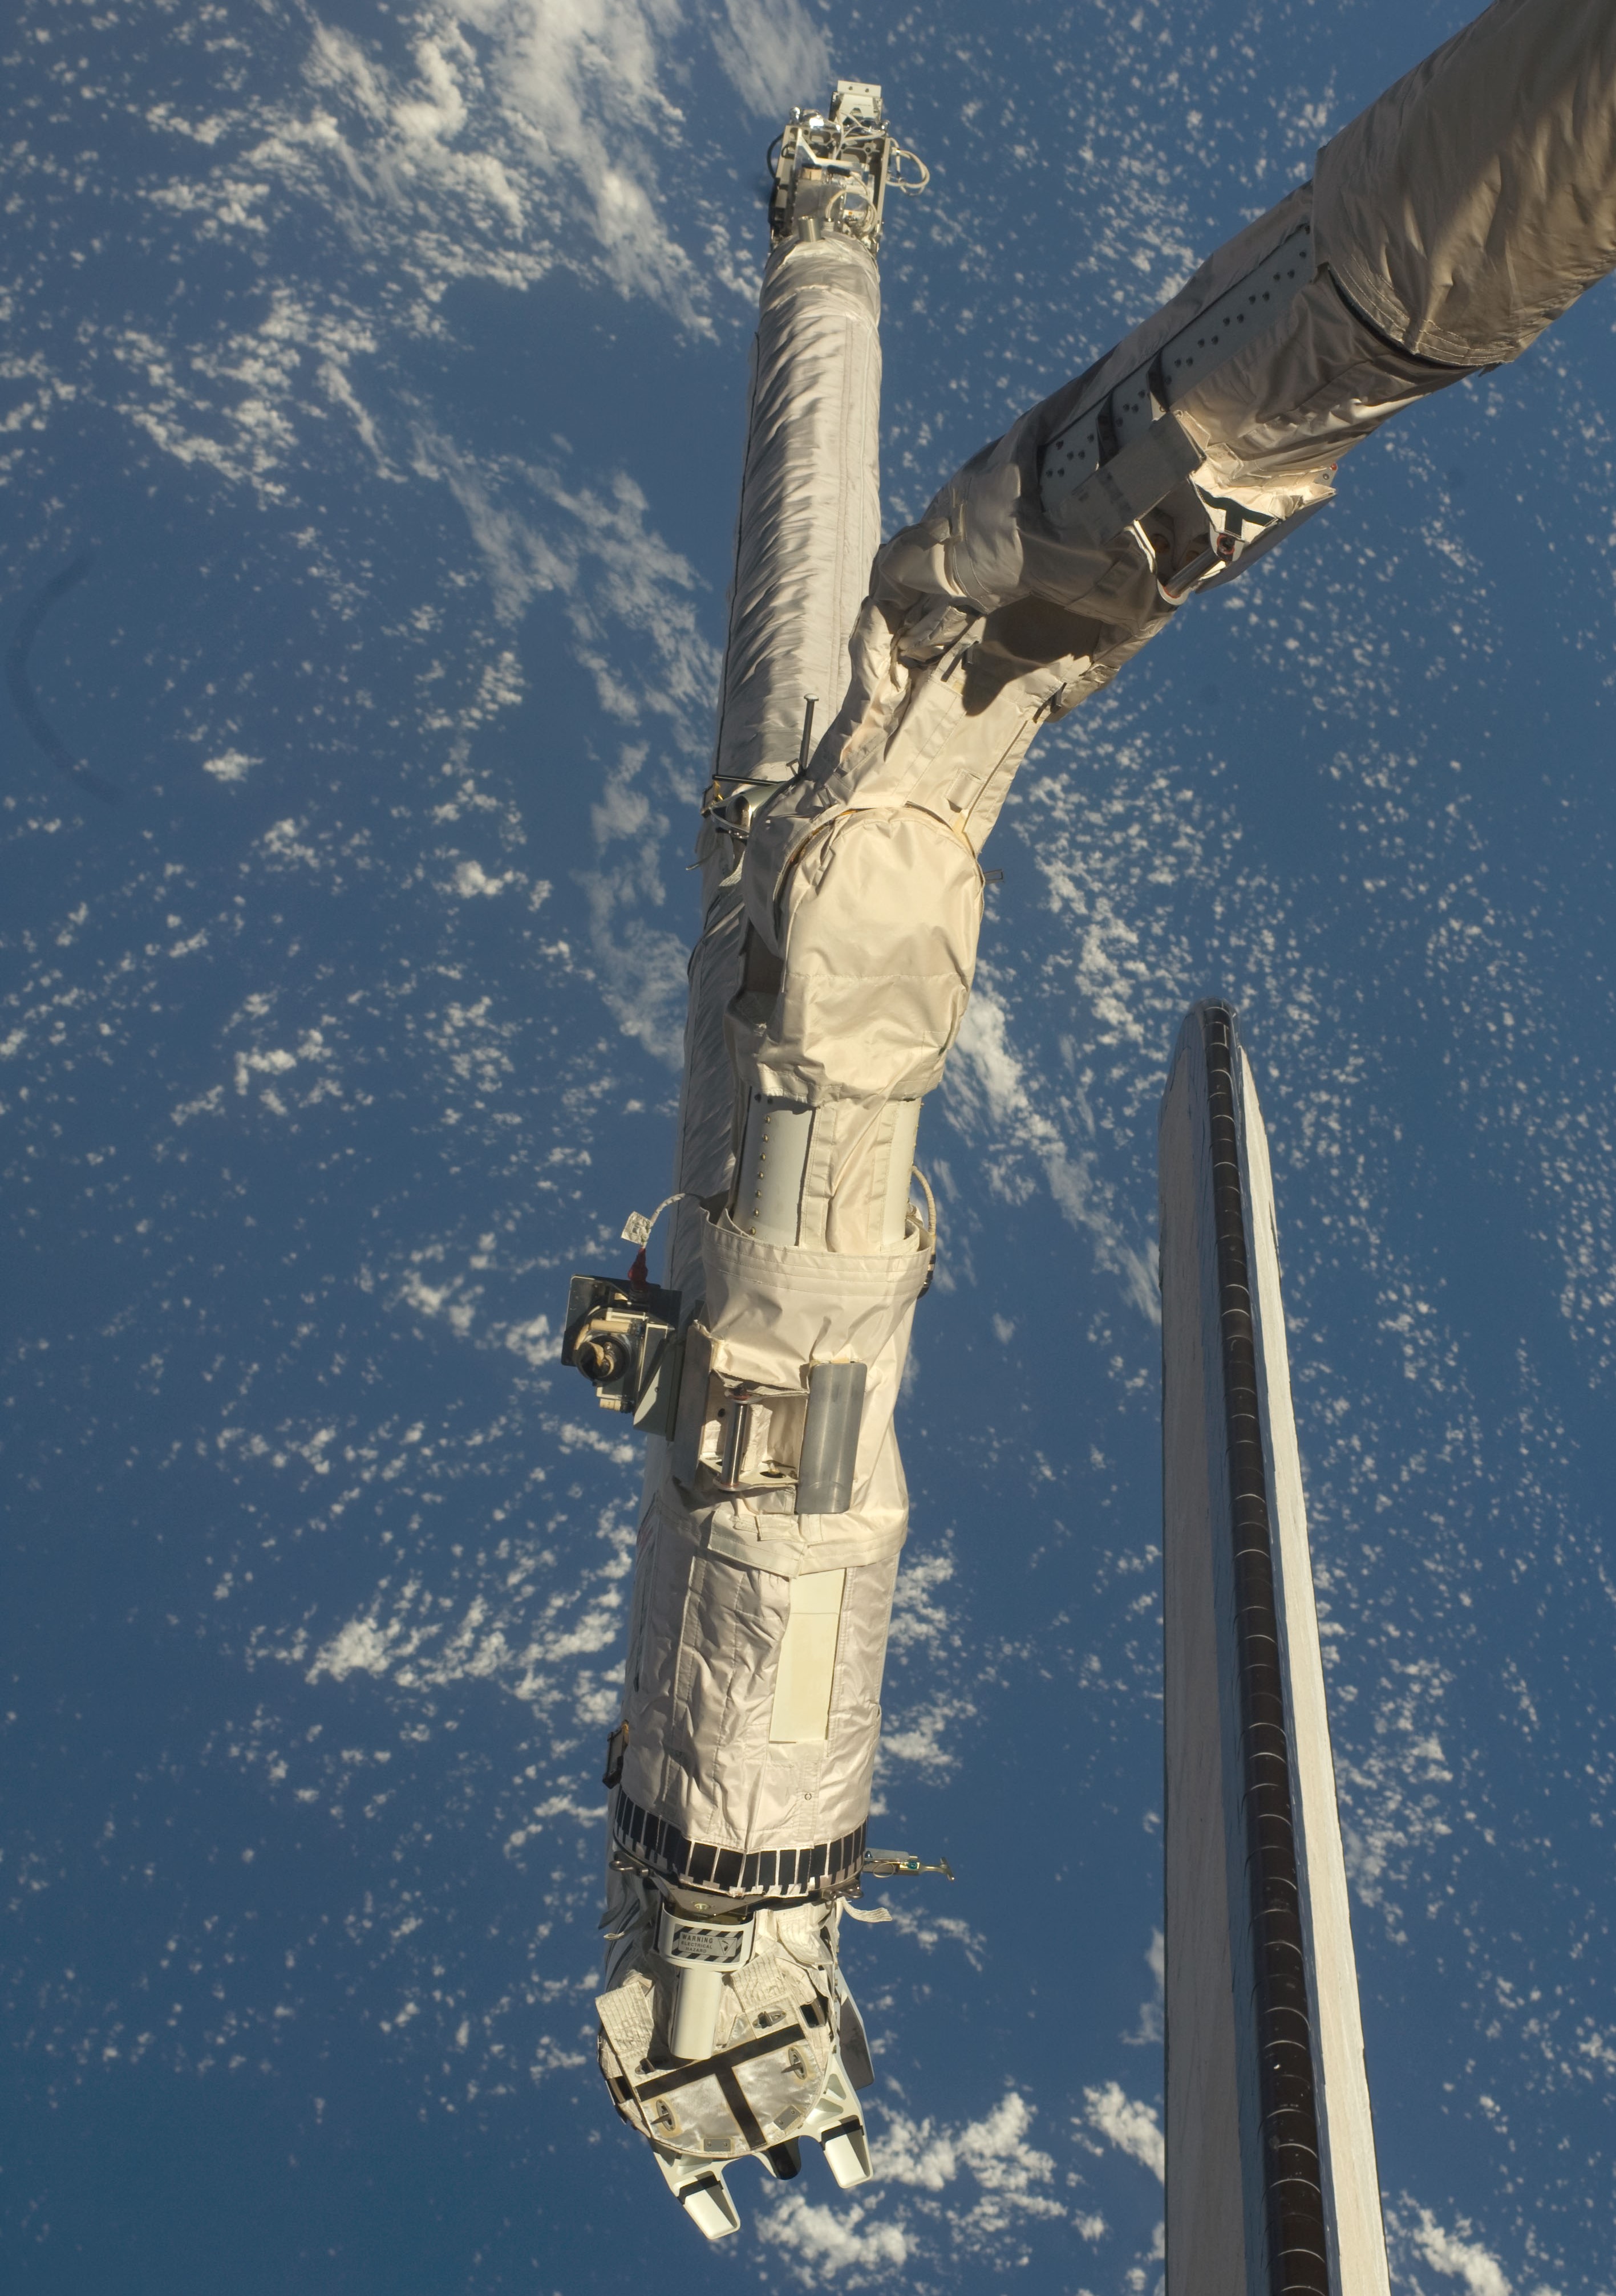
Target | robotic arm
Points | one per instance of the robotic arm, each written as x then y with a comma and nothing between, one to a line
1444,229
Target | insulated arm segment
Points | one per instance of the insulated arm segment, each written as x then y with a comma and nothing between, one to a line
774,1503
1461,213
1470,206
808,528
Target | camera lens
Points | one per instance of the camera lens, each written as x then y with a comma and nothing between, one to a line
601,1357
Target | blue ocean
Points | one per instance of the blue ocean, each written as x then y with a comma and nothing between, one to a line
372,393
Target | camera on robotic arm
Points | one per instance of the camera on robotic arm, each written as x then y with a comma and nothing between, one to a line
623,1336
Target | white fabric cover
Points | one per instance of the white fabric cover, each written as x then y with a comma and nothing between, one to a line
808,527
878,917
811,502
774,1310
712,1584
704,1651
1472,204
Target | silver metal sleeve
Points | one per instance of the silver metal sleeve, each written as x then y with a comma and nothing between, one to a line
768,1182
695,2016
904,1116
830,1438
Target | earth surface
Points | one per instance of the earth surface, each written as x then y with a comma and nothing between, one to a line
378,375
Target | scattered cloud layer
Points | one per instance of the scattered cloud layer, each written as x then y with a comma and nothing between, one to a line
1132,2127
1417,2240
971,2189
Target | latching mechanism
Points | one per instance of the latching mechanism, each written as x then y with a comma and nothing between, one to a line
833,172
754,1442
760,1439
881,1863
1222,551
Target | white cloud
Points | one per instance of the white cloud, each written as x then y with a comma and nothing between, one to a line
640,965
916,1734
628,582
1149,2031
630,601
1130,2124
930,1930
230,766
361,1648
918,1616
508,138
1392,1808
1010,2175
578,107
527,133
439,1300
924,1700
1458,2256
547,1646
819,2245
987,1094
775,56
945,2188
